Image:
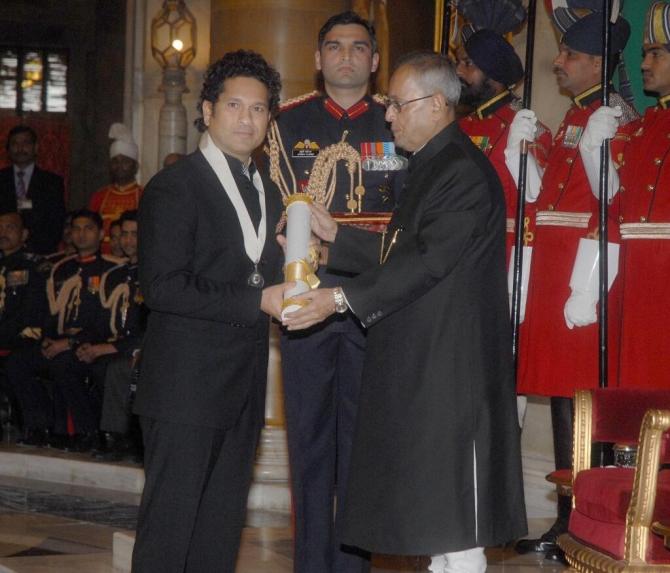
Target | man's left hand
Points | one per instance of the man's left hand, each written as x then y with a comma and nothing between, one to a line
321,306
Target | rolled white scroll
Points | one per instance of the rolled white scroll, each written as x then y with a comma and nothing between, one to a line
298,268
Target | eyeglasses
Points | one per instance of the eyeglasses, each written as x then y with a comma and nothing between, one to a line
397,106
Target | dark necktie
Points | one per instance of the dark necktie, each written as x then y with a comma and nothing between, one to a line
21,190
250,194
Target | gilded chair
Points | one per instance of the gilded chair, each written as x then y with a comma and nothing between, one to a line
614,507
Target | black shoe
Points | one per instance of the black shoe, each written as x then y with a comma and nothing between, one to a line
557,555
107,443
542,545
84,442
33,438
59,442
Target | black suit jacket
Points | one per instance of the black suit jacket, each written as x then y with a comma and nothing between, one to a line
206,344
45,219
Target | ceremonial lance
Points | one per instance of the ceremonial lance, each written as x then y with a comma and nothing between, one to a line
521,190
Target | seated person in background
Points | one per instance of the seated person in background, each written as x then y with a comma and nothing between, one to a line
36,193
115,239
23,301
123,194
120,291
75,336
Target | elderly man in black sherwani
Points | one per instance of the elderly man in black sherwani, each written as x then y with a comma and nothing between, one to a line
207,246
436,466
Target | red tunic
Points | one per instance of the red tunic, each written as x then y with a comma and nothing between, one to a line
111,201
554,360
644,216
488,127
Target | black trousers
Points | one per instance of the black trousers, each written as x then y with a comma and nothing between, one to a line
42,409
194,501
562,411
116,415
322,376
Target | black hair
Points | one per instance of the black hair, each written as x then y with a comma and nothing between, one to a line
344,18
130,215
243,63
21,215
20,129
88,214
115,223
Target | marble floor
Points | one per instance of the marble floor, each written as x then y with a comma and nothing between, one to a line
47,527
37,542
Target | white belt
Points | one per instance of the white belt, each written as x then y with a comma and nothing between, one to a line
645,230
563,219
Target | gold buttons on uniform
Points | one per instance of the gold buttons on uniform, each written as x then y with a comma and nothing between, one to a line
620,219
643,219
550,207
561,185
569,160
621,188
650,187
657,161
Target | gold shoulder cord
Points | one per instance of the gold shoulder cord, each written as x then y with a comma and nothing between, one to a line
67,302
121,292
323,179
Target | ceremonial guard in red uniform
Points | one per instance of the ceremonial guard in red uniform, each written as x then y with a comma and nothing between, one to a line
489,68
123,193
555,357
322,367
644,217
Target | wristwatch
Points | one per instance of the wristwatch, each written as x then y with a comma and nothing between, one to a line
340,302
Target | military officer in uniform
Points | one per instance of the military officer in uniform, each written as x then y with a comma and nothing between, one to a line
488,68
120,292
77,321
559,344
22,285
22,294
322,367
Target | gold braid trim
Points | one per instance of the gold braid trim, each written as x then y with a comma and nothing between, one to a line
297,99
68,297
68,300
121,292
379,98
51,289
323,179
275,151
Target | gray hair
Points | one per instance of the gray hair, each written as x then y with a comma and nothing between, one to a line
435,73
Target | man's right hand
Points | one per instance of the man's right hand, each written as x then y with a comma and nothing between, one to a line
323,225
52,348
272,299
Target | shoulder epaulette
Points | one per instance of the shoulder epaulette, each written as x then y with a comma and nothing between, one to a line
295,101
379,98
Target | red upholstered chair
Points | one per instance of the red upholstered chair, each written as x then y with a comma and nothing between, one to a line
614,507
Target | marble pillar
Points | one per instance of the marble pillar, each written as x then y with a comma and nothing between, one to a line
172,118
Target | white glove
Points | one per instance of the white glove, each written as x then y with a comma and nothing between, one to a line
602,125
525,274
523,127
580,308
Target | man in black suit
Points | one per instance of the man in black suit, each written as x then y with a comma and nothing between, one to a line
437,437
37,194
207,247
